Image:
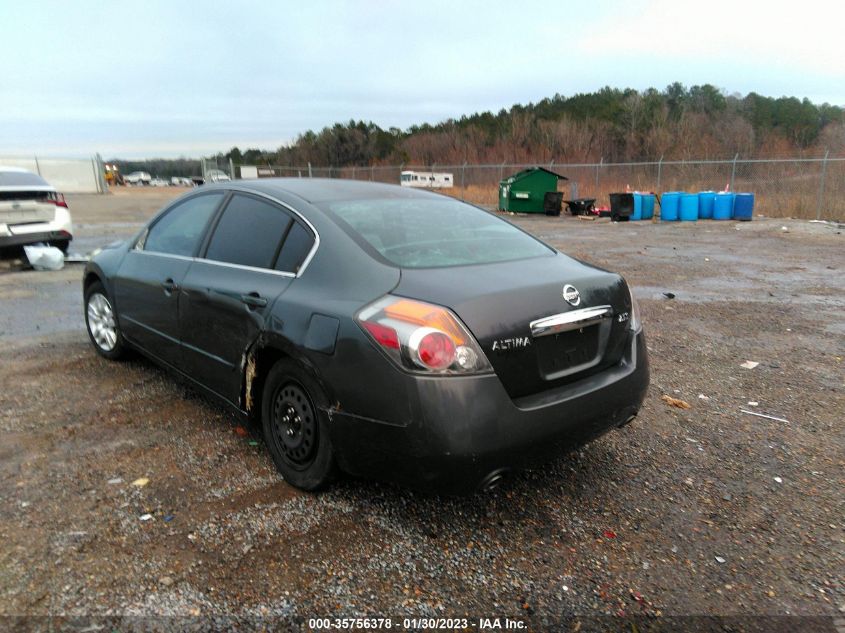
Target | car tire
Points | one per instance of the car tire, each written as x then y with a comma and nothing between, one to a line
296,426
101,323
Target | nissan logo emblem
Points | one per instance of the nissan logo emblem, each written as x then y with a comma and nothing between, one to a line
571,295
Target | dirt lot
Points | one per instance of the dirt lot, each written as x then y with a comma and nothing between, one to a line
705,511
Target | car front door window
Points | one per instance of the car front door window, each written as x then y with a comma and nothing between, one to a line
180,230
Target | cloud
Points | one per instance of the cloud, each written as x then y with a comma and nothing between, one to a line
205,77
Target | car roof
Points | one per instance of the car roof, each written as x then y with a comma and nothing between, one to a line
317,190
14,169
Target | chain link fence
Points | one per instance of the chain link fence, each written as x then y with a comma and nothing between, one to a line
163,171
215,169
809,188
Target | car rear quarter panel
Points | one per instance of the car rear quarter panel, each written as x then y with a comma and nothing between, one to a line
339,280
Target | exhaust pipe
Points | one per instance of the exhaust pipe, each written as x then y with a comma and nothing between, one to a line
492,481
628,420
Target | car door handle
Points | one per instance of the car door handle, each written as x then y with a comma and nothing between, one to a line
254,300
169,285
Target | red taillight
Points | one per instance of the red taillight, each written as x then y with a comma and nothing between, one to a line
56,198
382,334
434,349
422,337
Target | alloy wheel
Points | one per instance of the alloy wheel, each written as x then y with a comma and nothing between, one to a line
101,322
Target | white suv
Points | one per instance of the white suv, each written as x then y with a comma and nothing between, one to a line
31,210
216,175
138,178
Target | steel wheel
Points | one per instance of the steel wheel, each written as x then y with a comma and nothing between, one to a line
101,322
295,425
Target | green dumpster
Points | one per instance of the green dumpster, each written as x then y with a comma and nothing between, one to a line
525,190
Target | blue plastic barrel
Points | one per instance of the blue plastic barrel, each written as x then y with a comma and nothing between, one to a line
743,206
705,204
723,206
638,206
669,206
648,206
688,208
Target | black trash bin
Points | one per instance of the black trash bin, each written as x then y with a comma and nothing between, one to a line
552,202
621,206
581,206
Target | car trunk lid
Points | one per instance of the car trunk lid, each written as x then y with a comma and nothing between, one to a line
534,338
26,207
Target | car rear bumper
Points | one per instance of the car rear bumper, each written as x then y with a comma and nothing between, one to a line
21,239
59,229
462,431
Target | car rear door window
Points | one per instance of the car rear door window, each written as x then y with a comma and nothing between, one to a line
249,233
297,245
180,230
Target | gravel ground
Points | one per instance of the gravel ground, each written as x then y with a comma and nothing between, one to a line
704,511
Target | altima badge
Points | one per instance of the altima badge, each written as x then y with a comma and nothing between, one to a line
510,344
571,295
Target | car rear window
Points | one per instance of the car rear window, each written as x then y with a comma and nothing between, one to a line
21,179
434,232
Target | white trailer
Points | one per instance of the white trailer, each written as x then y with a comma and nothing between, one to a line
426,179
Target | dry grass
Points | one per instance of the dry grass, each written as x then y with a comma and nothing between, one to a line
775,198
476,194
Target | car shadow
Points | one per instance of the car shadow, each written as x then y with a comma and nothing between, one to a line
535,495
535,500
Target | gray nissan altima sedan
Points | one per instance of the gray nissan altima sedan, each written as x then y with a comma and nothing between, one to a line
376,330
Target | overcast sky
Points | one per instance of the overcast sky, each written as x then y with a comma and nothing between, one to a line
158,78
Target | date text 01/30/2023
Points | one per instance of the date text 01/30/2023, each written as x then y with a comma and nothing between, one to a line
417,623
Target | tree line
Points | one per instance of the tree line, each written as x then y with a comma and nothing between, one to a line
616,125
